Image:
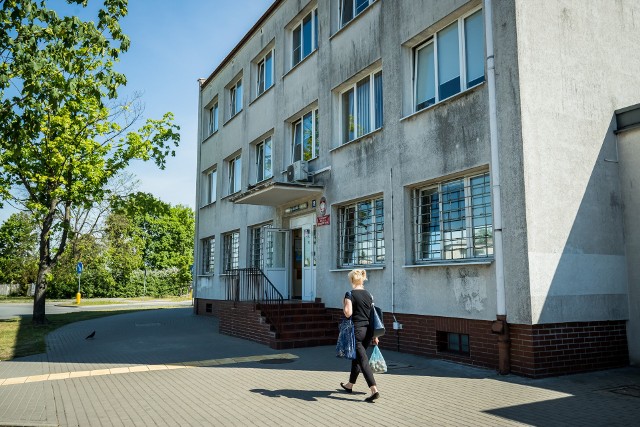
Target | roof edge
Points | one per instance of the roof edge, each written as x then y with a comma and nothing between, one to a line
241,43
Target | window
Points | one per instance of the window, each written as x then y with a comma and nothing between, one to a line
453,220
231,250
305,142
305,37
235,174
361,233
362,107
235,98
212,182
265,73
349,9
208,255
256,245
264,167
452,342
212,119
441,70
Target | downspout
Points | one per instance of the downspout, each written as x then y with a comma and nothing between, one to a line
500,325
196,246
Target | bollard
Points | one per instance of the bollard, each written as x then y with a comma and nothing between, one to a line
78,298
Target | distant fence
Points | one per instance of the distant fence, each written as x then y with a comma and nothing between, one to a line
13,289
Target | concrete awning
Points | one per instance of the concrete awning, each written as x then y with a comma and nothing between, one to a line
276,193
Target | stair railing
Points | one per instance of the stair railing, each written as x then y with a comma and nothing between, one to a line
252,285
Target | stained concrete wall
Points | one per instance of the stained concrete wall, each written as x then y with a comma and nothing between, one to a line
578,63
629,157
446,140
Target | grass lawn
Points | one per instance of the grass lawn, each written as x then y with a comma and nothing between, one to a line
19,337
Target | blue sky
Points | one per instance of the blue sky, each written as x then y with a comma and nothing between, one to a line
173,43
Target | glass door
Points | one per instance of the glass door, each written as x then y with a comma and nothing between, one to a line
308,262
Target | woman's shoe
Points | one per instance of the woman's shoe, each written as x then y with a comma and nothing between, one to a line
373,397
348,390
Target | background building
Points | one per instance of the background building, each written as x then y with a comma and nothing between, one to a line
463,152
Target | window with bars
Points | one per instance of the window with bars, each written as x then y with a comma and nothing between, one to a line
257,245
452,61
231,250
265,73
304,37
208,255
362,107
349,9
453,220
361,233
305,140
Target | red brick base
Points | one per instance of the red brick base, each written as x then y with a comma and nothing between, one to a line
536,350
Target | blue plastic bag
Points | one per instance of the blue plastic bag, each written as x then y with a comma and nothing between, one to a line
376,361
346,346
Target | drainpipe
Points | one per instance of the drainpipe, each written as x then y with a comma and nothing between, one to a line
196,246
500,327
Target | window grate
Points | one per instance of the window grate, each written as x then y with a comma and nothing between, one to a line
453,220
231,250
208,255
361,233
257,245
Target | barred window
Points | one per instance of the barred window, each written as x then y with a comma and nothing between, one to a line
257,245
361,233
452,220
231,250
208,255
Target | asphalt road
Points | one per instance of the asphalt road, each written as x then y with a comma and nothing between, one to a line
10,309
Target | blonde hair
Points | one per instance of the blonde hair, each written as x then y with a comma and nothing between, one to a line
357,274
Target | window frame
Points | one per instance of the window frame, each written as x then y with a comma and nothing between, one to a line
261,72
315,134
372,106
231,250
354,11
212,186
233,98
261,171
213,118
375,245
257,244
299,25
462,59
209,255
232,174
468,218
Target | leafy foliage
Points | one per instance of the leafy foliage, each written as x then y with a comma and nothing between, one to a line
62,136
18,261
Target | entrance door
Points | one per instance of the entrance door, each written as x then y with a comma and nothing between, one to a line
276,263
309,262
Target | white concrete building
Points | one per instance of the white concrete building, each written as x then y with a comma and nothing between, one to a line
463,152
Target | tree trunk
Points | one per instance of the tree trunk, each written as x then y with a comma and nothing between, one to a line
39,296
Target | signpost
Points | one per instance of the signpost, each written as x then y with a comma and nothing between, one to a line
79,268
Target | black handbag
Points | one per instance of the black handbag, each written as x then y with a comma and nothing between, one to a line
375,321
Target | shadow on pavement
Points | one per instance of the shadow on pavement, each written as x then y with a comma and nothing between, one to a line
306,395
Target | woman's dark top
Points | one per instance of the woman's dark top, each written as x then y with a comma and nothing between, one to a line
361,301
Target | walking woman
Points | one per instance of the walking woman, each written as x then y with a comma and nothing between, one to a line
358,307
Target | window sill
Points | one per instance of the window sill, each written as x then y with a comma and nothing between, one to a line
355,18
209,136
232,117
303,60
358,139
470,261
229,195
359,267
444,101
208,205
262,94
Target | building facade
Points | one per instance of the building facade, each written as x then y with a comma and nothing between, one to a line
463,152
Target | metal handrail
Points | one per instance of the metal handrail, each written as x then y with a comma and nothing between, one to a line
252,285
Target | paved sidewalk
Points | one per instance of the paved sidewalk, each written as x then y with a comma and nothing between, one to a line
168,367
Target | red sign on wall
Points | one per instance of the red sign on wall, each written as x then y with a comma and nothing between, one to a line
322,220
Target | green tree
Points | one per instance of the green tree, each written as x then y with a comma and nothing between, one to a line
18,238
62,134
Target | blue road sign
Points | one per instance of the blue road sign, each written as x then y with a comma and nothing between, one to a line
79,267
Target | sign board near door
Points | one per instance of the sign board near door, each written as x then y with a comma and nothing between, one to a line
323,220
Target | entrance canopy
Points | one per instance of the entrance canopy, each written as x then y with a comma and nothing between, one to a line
276,193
